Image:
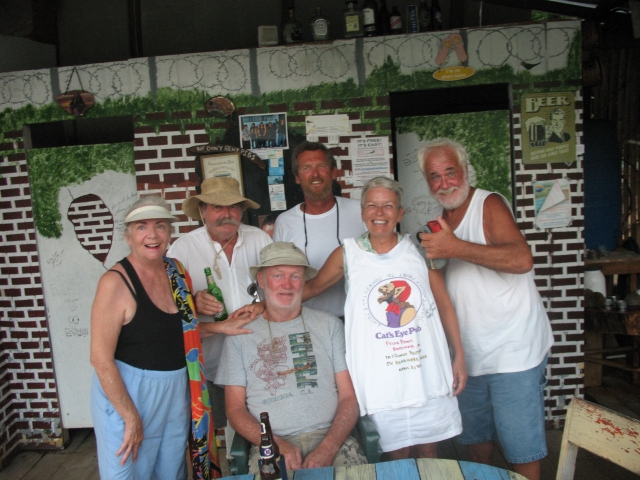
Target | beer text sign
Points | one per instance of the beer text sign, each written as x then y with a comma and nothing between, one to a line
549,130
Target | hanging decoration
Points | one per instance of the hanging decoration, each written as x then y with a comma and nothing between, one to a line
75,102
219,106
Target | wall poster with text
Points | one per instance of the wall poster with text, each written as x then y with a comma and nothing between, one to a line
549,128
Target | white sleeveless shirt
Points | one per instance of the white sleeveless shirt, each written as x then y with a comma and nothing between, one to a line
397,352
503,323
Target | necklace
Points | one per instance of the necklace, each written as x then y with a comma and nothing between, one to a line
307,339
216,267
304,221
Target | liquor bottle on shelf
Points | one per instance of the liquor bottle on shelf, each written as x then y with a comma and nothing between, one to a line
265,428
396,20
370,15
269,469
352,20
436,15
424,17
319,26
413,18
213,289
292,29
384,19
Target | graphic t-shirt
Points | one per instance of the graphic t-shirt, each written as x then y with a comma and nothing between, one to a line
288,370
397,351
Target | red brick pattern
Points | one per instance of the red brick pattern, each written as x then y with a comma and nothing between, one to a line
29,413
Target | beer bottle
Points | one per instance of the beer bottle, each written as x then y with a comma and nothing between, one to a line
265,427
213,289
269,469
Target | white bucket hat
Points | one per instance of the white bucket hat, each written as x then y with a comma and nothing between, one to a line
283,253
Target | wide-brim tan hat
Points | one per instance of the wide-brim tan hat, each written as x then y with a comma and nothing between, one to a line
221,191
148,212
283,253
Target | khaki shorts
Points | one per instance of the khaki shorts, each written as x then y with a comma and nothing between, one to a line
349,454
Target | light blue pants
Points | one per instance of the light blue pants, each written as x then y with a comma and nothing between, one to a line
163,402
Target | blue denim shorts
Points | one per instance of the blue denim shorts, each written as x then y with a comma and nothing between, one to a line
508,407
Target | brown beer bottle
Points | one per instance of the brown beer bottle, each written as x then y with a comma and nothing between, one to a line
265,426
269,469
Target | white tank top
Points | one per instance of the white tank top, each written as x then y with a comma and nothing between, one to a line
397,351
503,324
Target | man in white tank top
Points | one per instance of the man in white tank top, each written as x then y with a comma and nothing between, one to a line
505,330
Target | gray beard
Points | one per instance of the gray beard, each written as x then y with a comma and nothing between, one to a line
463,194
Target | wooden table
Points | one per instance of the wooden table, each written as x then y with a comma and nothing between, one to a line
618,263
422,469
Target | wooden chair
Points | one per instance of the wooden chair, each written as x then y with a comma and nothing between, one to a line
602,432
365,432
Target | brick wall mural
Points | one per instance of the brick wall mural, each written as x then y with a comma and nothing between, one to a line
353,77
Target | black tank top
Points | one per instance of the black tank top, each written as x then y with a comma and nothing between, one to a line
153,339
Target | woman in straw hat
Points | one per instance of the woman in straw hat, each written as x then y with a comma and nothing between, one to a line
149,387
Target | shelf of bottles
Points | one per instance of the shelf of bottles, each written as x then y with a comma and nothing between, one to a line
371,20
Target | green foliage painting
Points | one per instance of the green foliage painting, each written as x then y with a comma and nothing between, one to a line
485,136
51,169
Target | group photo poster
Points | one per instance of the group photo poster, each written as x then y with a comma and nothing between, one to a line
264,131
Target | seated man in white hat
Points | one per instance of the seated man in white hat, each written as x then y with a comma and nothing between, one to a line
228,248
292,366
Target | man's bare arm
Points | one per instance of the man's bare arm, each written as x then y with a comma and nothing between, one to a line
331,273
506,250
346,417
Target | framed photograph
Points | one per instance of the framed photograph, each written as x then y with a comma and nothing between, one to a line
266,131
223,165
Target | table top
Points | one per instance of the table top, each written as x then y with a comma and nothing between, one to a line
422,469
617,262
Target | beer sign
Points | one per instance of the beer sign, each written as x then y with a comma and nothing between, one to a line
548,127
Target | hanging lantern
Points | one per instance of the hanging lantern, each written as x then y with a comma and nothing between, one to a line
75,102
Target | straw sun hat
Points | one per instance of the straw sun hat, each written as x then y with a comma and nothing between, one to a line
223,191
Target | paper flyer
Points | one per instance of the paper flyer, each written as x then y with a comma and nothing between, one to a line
370,158
275,159
330,126
552,203
276,192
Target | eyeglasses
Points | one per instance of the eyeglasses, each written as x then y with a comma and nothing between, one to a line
386,208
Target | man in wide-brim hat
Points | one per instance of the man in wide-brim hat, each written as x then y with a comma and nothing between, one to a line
228,248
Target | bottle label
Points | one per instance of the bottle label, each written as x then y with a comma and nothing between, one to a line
266,452
352,23
369,15
396,23
320,26
413,18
